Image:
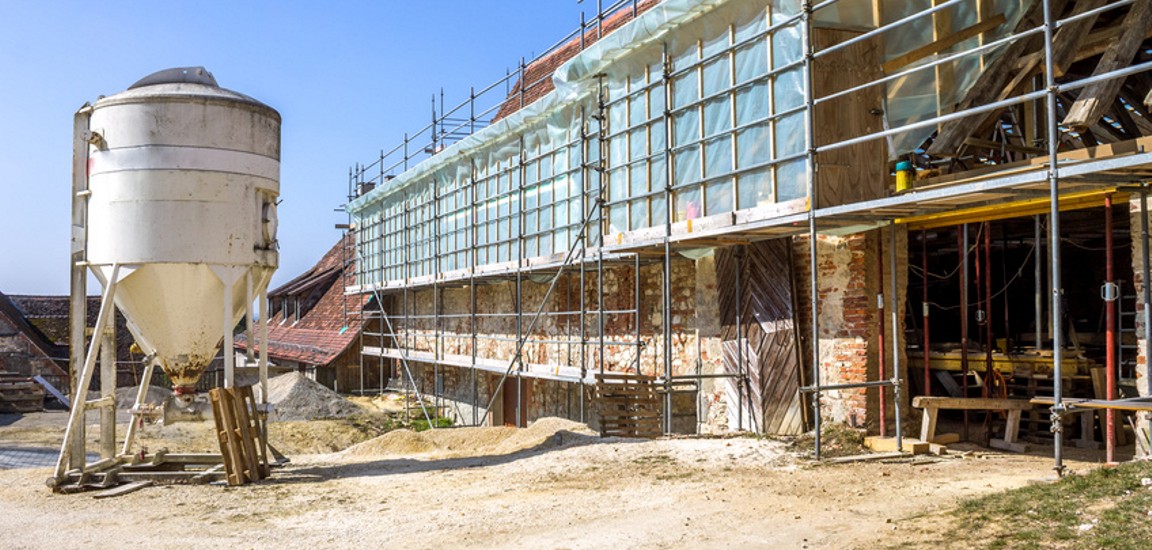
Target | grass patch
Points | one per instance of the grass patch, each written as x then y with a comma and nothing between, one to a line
1112,501
421,424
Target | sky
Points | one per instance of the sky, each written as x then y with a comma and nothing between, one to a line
348,78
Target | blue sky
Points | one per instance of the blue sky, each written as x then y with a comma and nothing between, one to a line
349,78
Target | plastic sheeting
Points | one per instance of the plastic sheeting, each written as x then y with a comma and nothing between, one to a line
734,98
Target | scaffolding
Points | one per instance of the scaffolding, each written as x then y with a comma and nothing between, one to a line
717,106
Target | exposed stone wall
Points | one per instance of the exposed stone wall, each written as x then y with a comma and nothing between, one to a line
1138,281
558,335
848,284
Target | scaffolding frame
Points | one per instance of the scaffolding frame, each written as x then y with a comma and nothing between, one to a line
1050,173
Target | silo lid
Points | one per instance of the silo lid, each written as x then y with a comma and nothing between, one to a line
190,75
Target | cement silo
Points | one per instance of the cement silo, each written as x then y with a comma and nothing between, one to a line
176,182
184,179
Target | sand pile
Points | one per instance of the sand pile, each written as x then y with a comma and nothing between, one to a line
126,397
472,441
297,398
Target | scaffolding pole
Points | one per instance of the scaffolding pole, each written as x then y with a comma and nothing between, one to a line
808,52
1053,137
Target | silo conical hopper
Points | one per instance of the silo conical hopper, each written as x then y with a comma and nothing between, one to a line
183,178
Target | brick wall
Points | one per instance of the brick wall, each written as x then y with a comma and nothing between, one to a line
848,281
850,320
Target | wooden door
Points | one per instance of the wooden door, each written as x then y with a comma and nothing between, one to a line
510,401
765,345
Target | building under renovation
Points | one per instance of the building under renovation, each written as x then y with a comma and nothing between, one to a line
785,212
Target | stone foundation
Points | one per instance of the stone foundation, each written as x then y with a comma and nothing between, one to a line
850,320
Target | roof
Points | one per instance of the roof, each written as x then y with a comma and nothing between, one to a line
49,314
331,325
538,74
11,311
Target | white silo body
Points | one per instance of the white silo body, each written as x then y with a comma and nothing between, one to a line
183,179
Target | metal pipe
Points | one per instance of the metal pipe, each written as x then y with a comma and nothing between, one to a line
669,205
813,203
1110,331
1145,274
584,208
1054,240
536,316
740,378
229,353
107,388
78,281
990,107
881,367
636,312
1038,318
79,400
249,352
883,383
141,396
520,336
263,360
964,319
884,28
924,309
895,340
989,341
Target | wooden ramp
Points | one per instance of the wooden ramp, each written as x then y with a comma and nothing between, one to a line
242,441
628,404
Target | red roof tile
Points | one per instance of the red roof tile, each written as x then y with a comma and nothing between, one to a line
537,80
332,324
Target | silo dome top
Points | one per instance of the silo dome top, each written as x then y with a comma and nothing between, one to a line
193,75
183,84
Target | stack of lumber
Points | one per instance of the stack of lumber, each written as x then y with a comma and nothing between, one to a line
628,404
243,443
20,394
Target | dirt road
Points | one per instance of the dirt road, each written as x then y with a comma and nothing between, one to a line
562,489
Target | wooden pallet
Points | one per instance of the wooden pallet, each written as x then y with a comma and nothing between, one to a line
20,394
243,443
628,404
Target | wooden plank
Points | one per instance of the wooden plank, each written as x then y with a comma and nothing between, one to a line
214,395
247,437
230,441
258,427
971,403
1097,99
888,444
1072,35
624,401
945,438
928,423
942,44
1132,404
624,376
123,489
991,82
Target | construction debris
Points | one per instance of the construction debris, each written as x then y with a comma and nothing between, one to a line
296,397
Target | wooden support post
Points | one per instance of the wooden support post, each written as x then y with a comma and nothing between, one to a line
1096,99
1072,35
991,82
